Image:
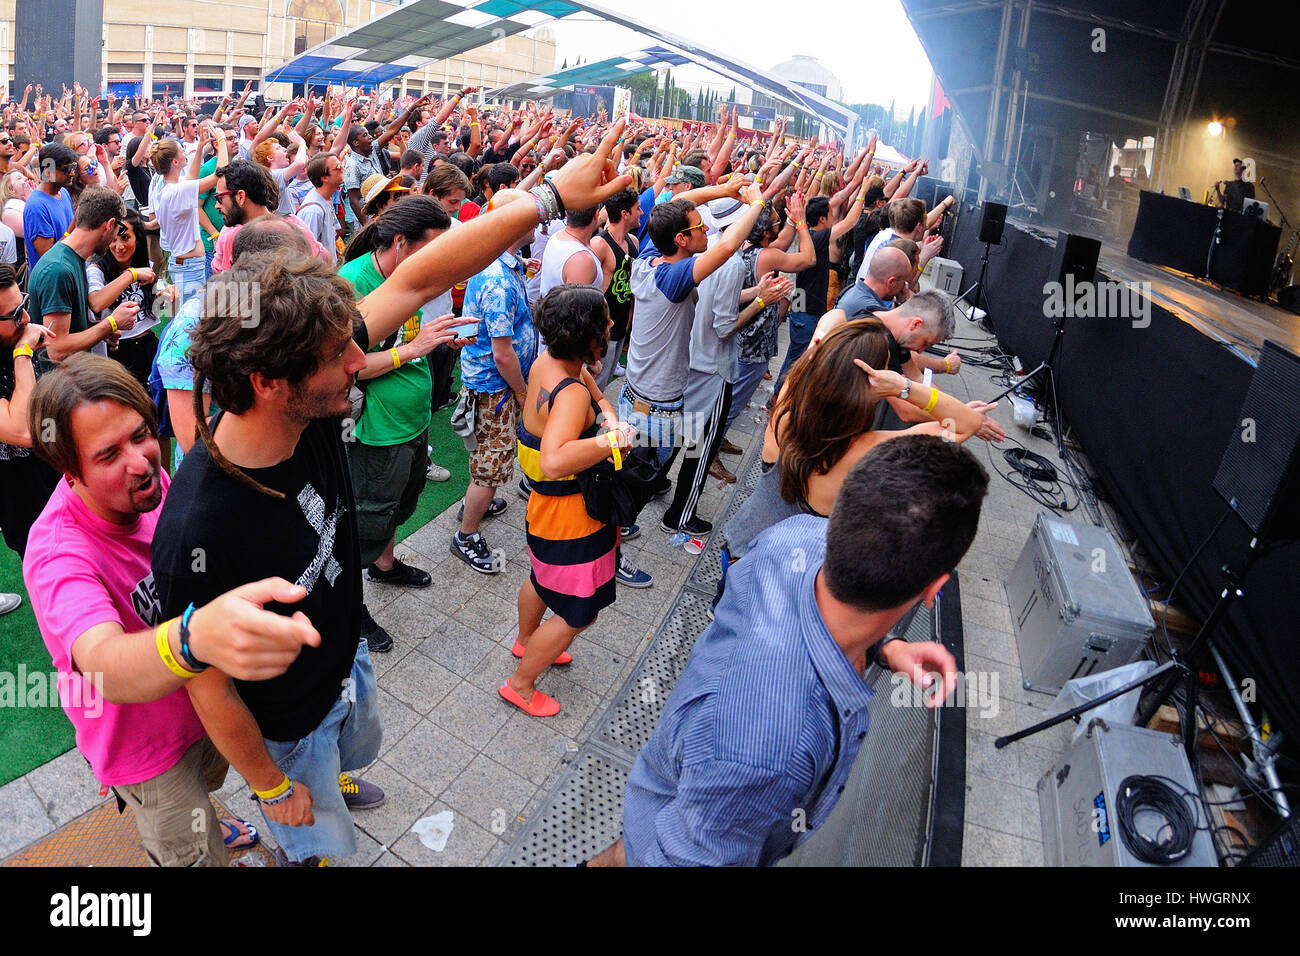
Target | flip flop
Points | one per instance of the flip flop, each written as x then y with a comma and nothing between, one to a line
237,839
539,706
564,658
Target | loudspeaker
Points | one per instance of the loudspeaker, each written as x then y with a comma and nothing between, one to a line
992,218
56,42
1258,472
1289,298
1280,848
258,105
1074,255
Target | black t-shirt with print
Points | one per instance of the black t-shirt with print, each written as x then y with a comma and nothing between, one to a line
216,533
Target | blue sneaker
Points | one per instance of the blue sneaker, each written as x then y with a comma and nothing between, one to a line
359,794
630,532
632,576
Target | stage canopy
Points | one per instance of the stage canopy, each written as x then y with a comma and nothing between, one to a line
424,31
414,35
601,73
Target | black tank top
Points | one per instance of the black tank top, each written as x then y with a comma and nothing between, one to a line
619,293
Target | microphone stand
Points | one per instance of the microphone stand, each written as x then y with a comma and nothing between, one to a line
1276,205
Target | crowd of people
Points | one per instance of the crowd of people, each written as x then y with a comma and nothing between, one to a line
287,296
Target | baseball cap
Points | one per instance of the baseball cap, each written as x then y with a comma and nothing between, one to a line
686,174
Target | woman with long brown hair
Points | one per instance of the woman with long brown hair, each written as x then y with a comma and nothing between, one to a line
825,419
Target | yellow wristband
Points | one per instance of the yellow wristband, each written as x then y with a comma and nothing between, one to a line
934,400
947,366
615,452
275,791
22,350
112,324
758,204
761,304
135,276
397,359
165,652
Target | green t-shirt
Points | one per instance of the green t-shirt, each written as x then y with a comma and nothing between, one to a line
208,203
397,403
58,284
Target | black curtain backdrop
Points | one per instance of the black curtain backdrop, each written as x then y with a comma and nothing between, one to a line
1154,409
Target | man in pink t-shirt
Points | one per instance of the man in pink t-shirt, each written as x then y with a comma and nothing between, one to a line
122,668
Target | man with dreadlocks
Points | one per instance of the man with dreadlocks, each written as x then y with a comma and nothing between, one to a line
268,487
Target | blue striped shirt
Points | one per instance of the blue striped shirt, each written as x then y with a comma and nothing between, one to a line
759,736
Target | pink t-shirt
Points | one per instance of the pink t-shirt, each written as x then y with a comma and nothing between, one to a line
223,247
82,571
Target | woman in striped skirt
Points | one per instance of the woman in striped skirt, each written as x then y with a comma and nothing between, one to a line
573,556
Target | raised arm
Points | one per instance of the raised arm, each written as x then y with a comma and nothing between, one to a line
586,181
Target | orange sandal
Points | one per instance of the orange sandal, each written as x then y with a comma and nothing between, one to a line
539,706
564,658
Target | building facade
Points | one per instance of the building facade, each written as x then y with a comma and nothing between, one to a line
211,46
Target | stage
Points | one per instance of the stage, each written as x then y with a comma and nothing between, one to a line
1235,321
1154,401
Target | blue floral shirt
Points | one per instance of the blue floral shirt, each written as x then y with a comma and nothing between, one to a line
498,299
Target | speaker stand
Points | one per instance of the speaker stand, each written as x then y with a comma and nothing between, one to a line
977,287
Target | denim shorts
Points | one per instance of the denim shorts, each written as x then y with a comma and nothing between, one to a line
348,738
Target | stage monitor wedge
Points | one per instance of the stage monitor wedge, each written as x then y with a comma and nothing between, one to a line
1259,468
993,217
1074,255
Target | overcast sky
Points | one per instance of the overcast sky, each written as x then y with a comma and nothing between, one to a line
869,44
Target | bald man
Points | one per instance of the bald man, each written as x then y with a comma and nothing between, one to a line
887,275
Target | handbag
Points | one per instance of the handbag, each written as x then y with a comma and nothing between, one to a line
617,496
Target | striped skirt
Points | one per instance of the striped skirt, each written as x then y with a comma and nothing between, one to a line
573,557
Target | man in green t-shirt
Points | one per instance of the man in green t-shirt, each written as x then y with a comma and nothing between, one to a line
58,288
389,455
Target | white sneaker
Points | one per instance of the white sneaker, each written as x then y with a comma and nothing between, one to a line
437,473
620,370
10,602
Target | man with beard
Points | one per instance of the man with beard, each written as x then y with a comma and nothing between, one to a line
246,193
121,665
274,458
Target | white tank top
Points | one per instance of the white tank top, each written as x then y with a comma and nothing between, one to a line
559,250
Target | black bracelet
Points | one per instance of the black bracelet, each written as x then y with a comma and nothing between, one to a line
873,653
192,662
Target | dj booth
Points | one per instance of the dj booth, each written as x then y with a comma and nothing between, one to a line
1179,234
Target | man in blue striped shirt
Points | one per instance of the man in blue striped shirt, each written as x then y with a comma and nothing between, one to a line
764,726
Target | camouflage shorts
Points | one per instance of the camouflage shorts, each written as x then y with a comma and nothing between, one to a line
491,465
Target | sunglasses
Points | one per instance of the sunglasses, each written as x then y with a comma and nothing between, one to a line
698,225
92,169
17,314
222,194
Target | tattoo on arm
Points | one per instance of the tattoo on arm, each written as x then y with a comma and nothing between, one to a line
542,396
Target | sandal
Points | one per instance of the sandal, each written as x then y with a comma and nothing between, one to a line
236,838
564,658
539,706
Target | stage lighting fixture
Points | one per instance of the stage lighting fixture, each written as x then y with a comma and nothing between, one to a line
1215,128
